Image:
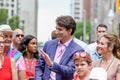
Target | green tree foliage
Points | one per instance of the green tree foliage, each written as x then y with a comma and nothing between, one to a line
3,16
79,30
14,22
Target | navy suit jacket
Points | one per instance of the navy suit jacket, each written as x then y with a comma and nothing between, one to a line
65,69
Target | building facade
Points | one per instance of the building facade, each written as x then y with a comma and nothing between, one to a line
27,12
79,9
28,16
11,6
102,12
76,10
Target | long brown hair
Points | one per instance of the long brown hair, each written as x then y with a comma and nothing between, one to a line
115,41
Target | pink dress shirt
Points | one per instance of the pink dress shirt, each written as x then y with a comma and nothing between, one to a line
58,55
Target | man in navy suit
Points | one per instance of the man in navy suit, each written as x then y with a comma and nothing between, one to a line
56,60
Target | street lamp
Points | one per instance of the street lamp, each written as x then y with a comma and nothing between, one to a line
111,18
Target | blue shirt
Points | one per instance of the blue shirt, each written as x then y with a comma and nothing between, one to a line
93,51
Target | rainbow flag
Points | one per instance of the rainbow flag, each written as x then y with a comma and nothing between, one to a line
14,53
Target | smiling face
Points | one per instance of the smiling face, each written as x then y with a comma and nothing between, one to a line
8,37
62,34
82,68
65,28
102,47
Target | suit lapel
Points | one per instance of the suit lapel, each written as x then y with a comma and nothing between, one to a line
53,51
67,53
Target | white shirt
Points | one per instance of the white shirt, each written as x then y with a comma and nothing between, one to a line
82,44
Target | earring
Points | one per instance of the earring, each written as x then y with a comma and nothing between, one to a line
26,50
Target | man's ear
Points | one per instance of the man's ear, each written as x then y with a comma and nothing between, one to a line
70,31
90,66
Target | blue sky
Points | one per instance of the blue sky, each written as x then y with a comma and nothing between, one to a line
48,11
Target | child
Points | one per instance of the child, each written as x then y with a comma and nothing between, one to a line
83,64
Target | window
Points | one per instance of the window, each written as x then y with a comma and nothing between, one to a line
76,13
77,18
7,5
22,21
1,4
12,12
77,3
12,5
77,8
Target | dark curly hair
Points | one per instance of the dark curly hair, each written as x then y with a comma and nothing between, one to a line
66,21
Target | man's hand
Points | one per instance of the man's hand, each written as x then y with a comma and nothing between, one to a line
46,58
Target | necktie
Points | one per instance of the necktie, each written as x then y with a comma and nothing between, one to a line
61,51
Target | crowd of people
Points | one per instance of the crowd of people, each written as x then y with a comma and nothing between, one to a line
64,57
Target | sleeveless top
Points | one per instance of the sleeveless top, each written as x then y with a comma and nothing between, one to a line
114,68
6,71
30,68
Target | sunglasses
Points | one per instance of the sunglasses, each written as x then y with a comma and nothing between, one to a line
18,35
101,31
82,55
2,42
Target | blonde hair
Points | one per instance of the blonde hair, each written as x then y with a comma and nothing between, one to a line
113,40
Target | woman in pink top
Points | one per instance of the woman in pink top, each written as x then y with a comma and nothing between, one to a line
28,47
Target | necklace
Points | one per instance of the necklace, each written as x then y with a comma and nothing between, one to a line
108,64
1,62
30,67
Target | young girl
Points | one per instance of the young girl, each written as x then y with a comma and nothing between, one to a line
83,64
28,47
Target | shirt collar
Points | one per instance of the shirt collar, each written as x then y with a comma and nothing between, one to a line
66,43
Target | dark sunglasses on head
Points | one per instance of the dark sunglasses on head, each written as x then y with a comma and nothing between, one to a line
18,35
84,55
